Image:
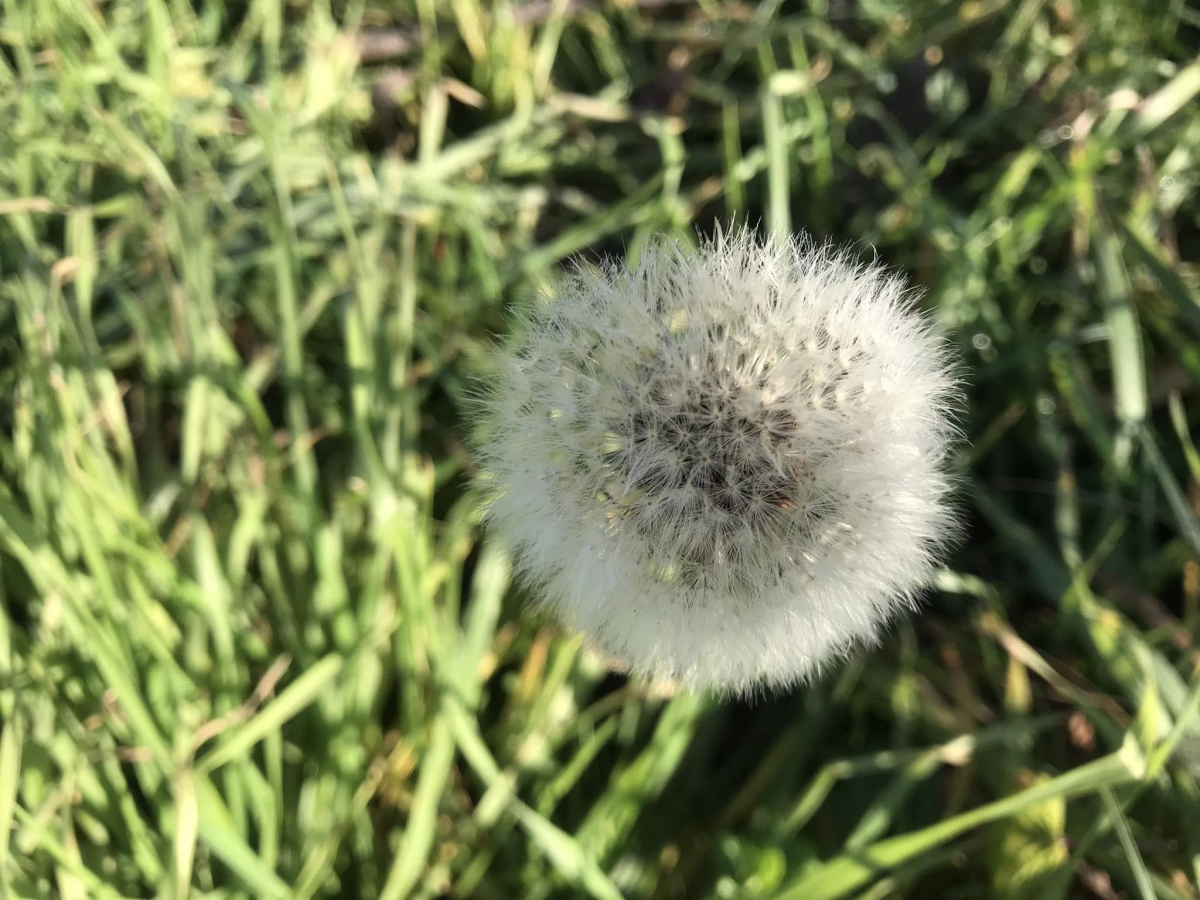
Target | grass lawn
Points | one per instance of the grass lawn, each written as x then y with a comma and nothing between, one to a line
253,640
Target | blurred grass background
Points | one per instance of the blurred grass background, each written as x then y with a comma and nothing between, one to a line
252,641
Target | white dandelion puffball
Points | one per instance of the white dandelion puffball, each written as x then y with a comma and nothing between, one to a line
726,465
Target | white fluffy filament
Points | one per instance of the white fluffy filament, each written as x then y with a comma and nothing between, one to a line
725,466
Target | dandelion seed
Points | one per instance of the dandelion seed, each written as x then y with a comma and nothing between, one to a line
725,466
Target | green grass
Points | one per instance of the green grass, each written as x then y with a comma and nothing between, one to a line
253,643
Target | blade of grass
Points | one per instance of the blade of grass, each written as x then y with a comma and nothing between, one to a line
611,820
417,839
844,874
291,702
1124,339
10,776
565,853
1136,863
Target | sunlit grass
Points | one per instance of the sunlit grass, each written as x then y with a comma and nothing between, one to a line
253,643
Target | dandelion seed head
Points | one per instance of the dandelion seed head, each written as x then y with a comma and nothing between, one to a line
725,465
